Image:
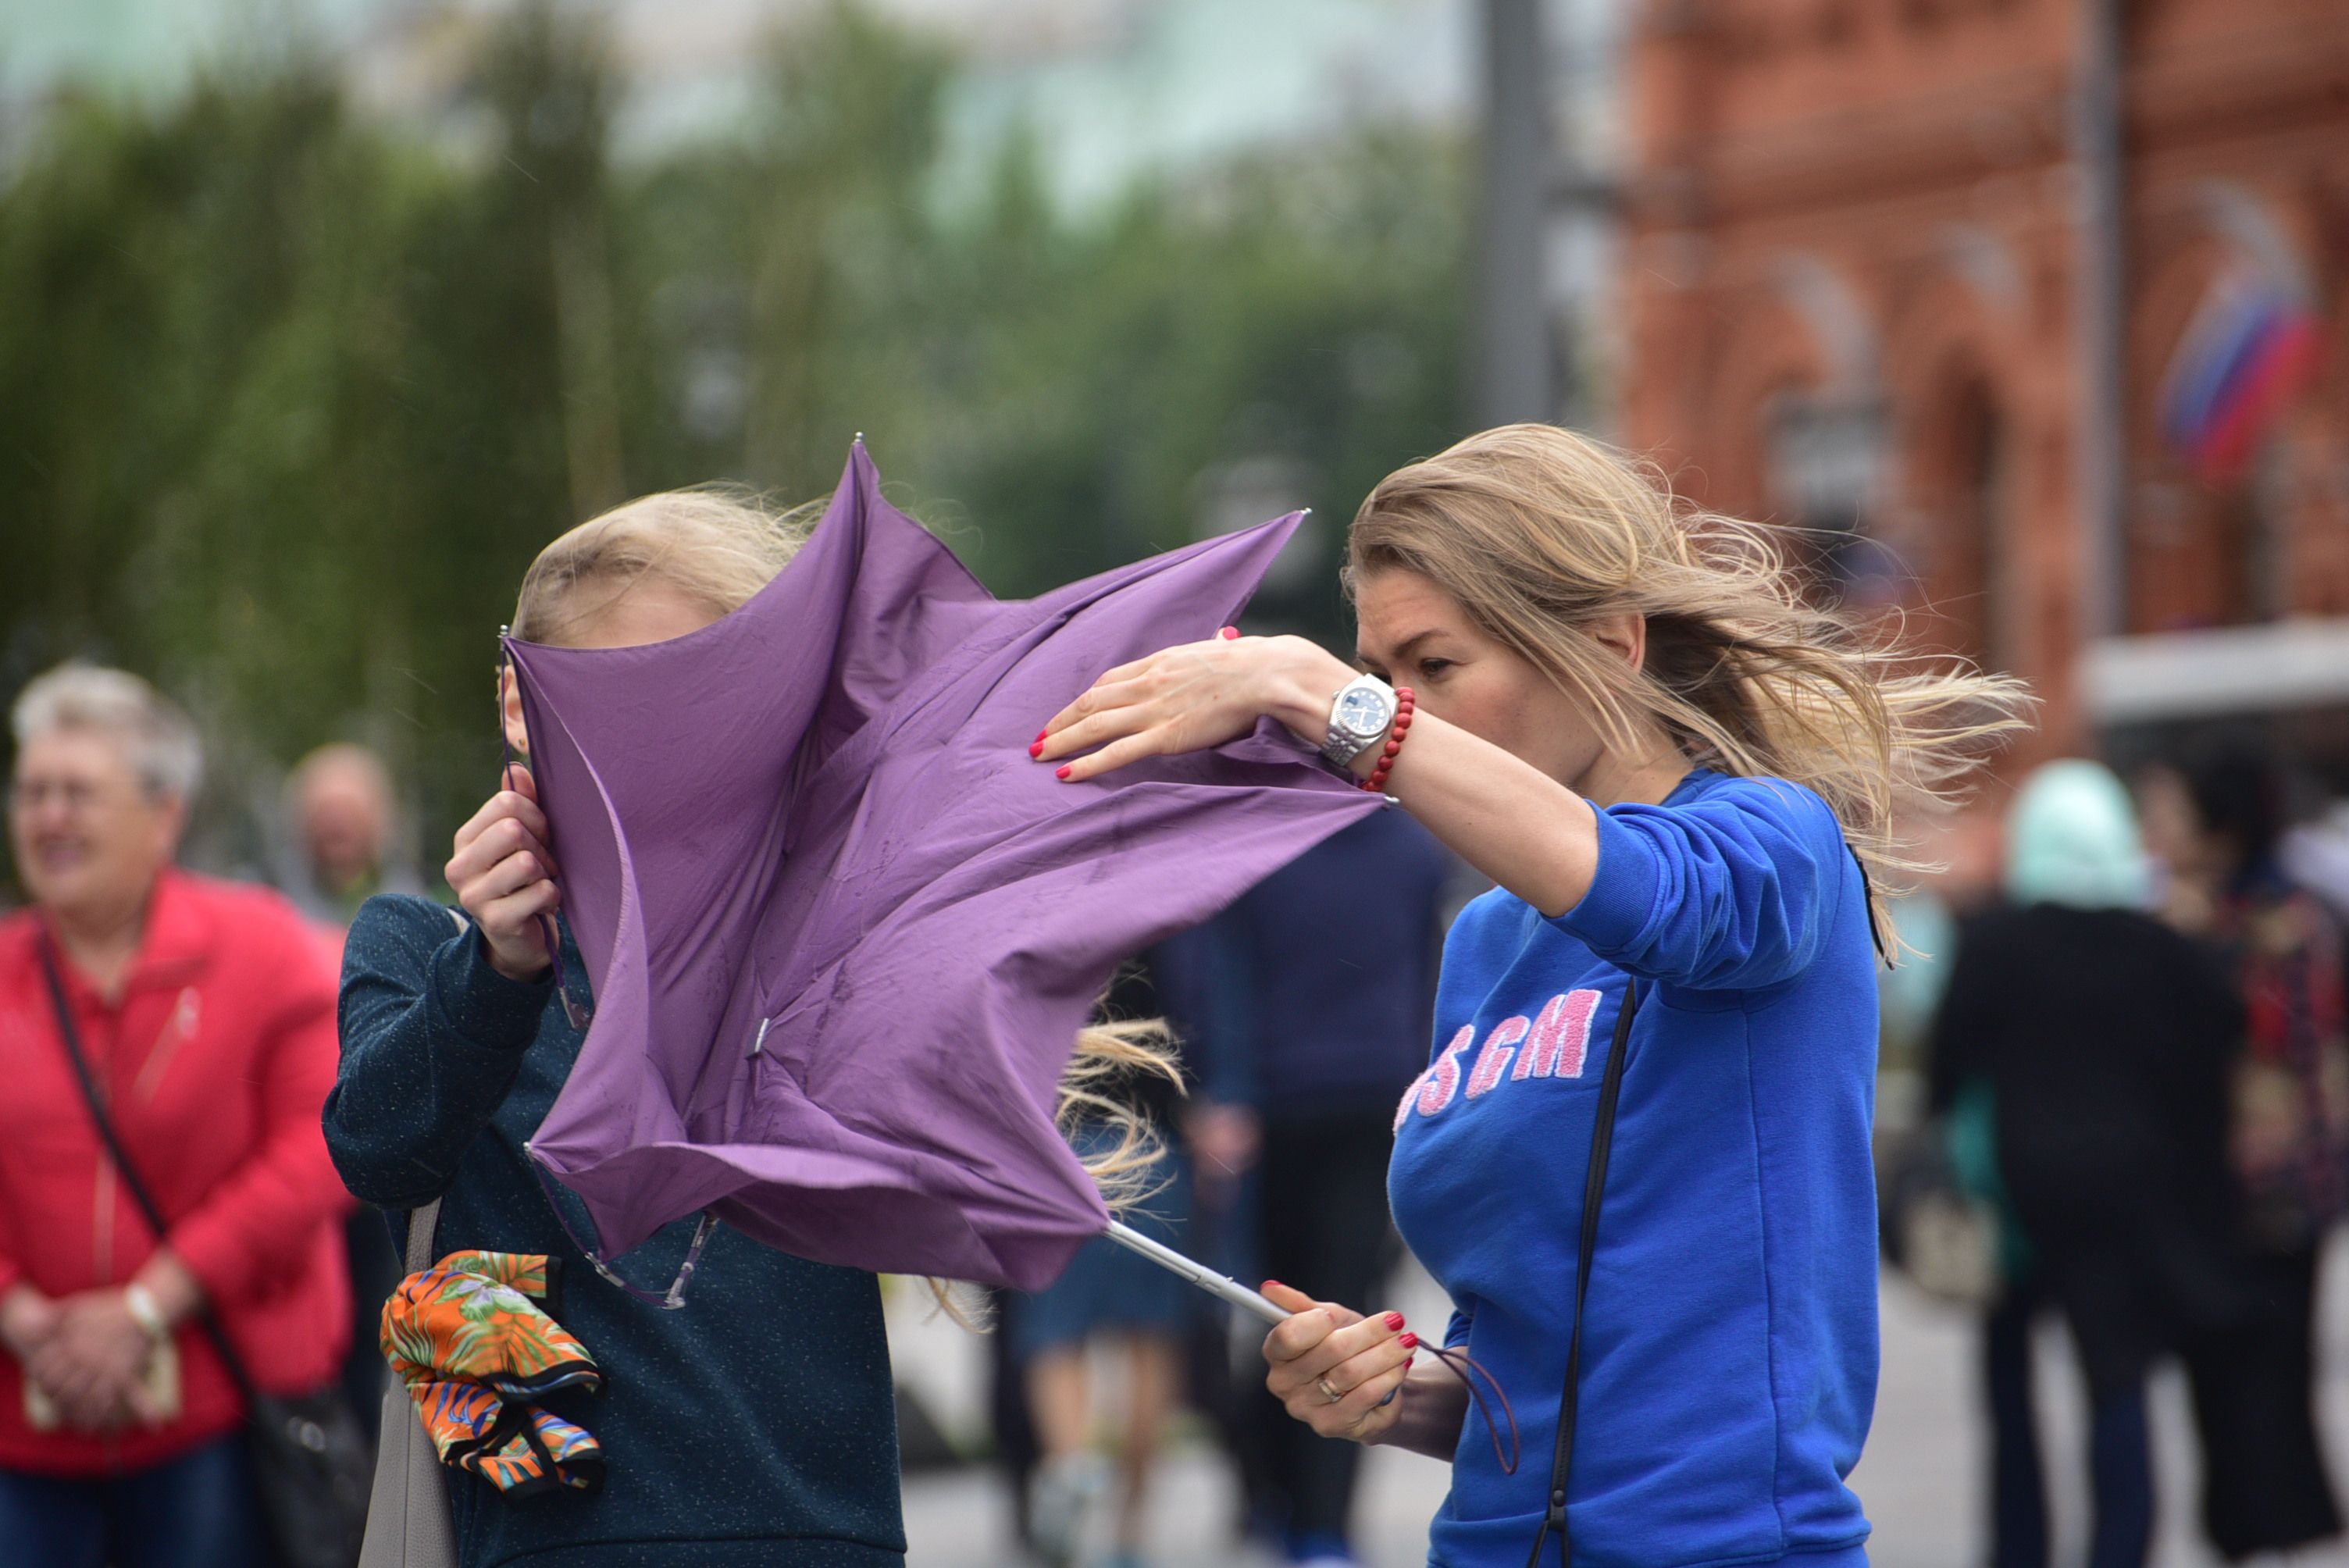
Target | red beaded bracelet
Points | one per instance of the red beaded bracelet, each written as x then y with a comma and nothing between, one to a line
1401,728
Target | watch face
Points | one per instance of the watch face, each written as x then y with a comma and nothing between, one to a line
1364,710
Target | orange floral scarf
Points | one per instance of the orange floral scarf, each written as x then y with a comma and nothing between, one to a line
477,1354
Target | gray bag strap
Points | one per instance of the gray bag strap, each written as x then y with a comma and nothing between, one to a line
422,1225
408,1523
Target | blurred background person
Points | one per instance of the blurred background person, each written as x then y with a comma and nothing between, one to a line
2098,1043
344,824
342,845
1318,1000
2254,1386
204,1013
1108,1310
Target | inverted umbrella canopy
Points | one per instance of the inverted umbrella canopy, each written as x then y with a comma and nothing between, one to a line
842,929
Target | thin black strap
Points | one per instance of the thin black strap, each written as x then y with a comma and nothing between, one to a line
139,1195
1602,1142
1868,899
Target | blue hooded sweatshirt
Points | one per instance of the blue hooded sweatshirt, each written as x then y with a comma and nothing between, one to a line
1729,1362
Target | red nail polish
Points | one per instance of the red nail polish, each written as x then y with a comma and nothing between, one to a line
1037,749
1410,1342
1230,634
1394,1320
1274,1285
1042,734
1061,772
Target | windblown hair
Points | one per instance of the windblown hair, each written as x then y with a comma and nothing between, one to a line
1538,532
719,546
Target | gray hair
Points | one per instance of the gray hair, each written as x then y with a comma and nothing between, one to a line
159,738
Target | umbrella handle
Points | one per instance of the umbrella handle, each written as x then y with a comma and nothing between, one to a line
1221,1286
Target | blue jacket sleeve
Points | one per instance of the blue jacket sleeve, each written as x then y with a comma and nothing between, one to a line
431,1039
1733,891
1231,1012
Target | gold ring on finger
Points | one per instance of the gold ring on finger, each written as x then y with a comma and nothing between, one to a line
1328,1392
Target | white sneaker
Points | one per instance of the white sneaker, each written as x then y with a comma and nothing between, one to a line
1060,1501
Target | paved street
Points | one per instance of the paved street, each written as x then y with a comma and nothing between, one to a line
1921,1477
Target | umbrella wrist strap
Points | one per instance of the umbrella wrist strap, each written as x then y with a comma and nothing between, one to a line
669,1300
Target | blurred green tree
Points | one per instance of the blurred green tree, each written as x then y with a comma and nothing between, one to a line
291,397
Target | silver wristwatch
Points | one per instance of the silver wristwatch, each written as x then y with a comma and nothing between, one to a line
1359,716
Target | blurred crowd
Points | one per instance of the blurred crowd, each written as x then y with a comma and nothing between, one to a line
2125,1023
2128,1027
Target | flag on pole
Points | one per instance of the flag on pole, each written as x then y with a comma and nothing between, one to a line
2250,349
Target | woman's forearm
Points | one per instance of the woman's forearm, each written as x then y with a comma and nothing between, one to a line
1496,811
1434,1404
1503,815
432,1040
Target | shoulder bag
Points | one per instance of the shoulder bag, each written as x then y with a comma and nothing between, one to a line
409,1524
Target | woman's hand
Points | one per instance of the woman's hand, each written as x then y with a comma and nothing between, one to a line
503,875
27,1318
1193,696
94,1362
1327,1350
1225,1140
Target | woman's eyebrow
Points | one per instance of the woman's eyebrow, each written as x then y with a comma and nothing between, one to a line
1404,648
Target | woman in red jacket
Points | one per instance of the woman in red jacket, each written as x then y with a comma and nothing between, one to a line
206,1013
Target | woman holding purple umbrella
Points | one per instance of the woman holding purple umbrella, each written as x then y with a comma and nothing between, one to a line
1639,1158
759,1426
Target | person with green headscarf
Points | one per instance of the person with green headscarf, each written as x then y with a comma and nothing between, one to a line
2103,1041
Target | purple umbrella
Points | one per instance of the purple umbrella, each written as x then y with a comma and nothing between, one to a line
842,929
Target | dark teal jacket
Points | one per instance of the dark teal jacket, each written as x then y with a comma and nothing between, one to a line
754,1426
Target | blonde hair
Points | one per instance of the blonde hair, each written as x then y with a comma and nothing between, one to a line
713,543
1537,532
719,546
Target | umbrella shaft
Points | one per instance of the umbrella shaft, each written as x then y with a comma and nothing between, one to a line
1219,1285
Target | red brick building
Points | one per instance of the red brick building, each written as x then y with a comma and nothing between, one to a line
1861,290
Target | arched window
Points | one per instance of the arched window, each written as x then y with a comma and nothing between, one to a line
1967,519
1826,459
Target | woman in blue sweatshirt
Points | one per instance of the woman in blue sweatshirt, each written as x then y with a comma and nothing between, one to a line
1676,767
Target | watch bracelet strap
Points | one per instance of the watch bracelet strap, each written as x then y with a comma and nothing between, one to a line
140,1303
1361,743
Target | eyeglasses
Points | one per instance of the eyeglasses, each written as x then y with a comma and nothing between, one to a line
74,794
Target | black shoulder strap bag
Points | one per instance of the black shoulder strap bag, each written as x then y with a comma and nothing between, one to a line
309,1452
1602,1142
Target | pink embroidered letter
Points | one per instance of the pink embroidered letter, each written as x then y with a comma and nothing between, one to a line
1561,1036
1442,1078
1499,1046
1408,1095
